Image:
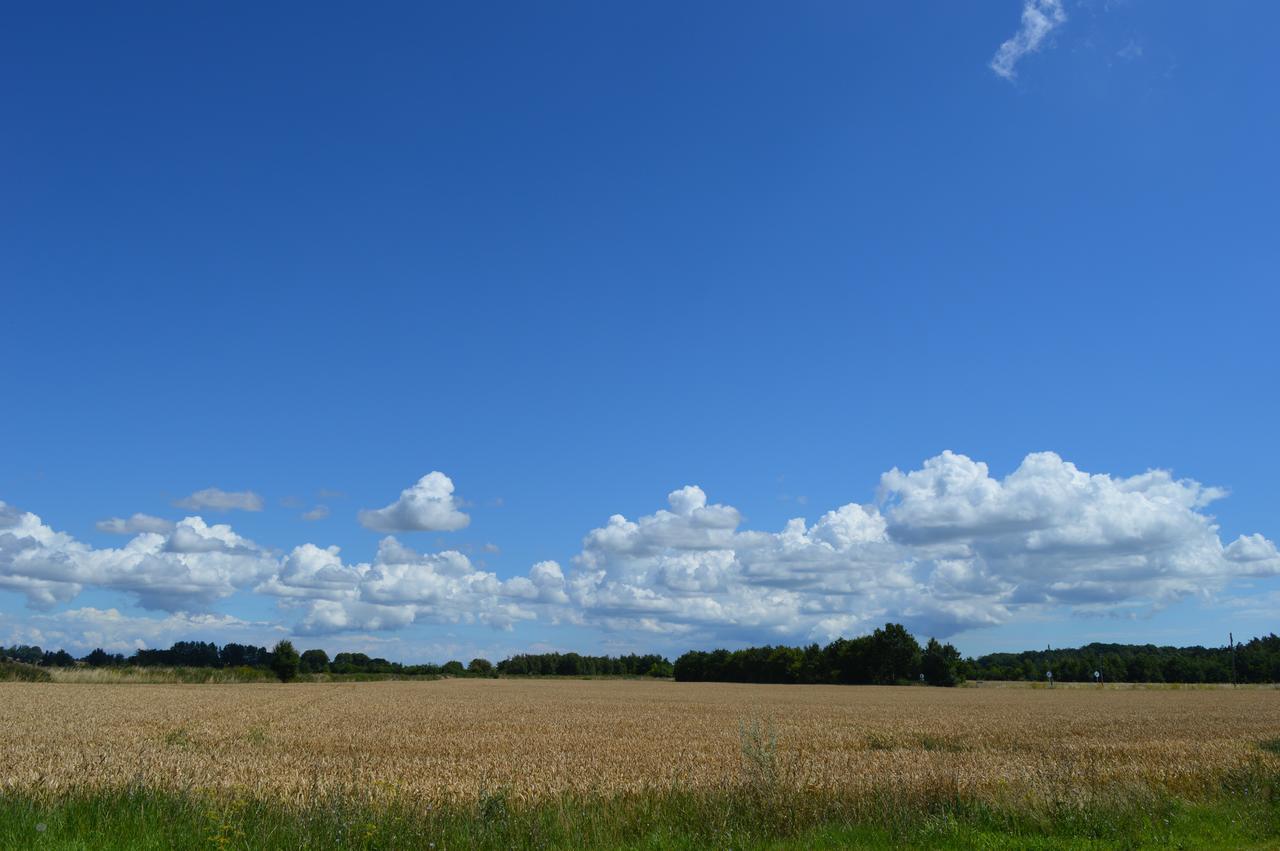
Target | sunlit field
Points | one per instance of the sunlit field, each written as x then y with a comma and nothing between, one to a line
471,750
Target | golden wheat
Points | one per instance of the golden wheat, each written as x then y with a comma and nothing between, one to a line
455,740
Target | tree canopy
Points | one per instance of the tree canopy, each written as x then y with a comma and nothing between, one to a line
885,656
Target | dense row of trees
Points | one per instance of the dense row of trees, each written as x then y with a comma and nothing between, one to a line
892,655
575,665
1256,661
200,654
282,659
35,656
190,654
888,655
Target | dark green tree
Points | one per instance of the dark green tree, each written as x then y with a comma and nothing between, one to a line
100,658
285,661
31,654
58,659
235,655
659,668
895,654
480,667
350,663
314,662
940,664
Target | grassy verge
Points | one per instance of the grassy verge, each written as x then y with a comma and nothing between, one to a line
1244,814
158,674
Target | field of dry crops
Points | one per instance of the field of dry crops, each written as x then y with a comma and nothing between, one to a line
455,740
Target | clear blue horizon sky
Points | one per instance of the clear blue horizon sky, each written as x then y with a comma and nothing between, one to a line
576,257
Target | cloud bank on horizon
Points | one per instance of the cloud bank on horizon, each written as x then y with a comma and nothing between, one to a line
944,548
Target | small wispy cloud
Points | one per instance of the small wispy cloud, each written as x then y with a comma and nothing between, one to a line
134,525
1039,18
320,512
1131,51
216,499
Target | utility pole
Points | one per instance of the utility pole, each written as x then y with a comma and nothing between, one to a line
1232,639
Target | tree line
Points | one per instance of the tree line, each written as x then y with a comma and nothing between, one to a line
206,654
892,655
888,655
1255,661
575,665
288,663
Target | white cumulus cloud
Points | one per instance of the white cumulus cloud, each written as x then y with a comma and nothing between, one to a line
402,586
1051,533
948,547
429,505
943,548
690,569
82,630
190,567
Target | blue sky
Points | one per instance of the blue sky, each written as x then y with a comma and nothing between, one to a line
577,257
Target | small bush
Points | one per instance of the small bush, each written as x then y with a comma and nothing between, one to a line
21,672
759,753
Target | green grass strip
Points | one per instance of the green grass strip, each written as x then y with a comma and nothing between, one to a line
1244,817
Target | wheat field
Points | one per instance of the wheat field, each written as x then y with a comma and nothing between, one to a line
457,740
